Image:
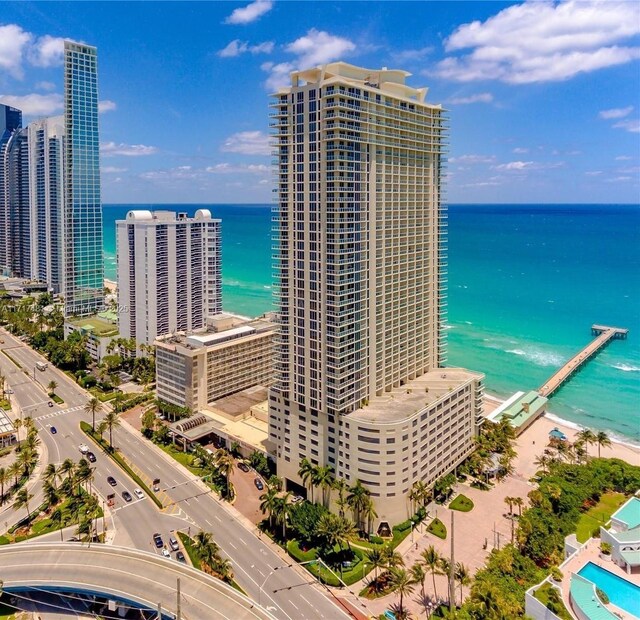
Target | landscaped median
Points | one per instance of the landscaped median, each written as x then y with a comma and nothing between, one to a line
119,459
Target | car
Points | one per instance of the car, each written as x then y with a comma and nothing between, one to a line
165,552
296,499
112,481
157,539
180,557
258,484
138,493
156,486
9,391
243,466
49,404
173,543
127,496
53,430
84,448
91,457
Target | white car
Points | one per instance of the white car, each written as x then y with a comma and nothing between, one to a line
138,493
84,448
165,552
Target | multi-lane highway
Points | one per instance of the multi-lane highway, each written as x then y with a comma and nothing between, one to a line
288,592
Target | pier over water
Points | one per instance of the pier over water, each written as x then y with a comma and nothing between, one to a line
603,335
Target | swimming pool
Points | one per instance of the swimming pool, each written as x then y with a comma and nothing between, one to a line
621,592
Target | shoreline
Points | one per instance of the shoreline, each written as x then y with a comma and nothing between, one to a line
538,434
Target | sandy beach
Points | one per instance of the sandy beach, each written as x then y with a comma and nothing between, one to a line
111,285
534,439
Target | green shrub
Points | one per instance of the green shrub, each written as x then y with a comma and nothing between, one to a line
405,525
437,528
461,503
602,595
376,540
293,548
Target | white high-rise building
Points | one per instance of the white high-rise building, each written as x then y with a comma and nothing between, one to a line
169,273
360,257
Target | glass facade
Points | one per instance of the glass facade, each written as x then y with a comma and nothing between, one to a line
84,265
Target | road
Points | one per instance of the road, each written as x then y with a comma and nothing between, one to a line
288,592
126,574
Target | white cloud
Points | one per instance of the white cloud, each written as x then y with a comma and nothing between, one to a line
47,51
110,149
520,150
515,165
630,124
45,86
13,41
543,41
106,106
112,169
593,173
623,158
201,174
618,179
238,47
35,104
317,47
249,13
473,159
412,54
616,112
520,166
247,143
226,168
479,98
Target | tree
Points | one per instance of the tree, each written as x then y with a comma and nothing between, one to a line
148,421
444,485
586,437
67,468
4,478
369,513
112,421
377,559
225,464
22,499
403,585
51,386
13,471
519,502
603,441
2,382
101,428
418,575
282,512
341,486
357,502
269,504
51,473
306,474
327,530
304,519
50,494
462,576
57,520
431,560
509,502
92,407
323,478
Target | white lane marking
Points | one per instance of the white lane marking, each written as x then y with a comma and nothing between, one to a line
293,605
217,518
208,522
233,545
243,542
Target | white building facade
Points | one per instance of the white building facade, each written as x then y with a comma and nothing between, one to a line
169,273
360,258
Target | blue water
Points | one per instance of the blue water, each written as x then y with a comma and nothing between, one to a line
621,592
526,282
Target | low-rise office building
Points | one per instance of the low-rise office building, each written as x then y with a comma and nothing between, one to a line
100,330
231,354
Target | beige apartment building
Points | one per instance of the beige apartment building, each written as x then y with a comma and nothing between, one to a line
361,276
231,354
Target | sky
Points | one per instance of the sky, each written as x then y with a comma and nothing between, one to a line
543,97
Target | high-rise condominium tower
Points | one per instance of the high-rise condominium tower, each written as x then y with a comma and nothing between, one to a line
10,122
83,261
169,273
360,239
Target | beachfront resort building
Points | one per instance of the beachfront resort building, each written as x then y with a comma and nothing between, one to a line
231,354
623,534
361,276
169,273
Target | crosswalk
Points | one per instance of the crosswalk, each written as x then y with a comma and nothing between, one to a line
55,414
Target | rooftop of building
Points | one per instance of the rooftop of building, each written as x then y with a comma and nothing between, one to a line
220,330
629,514
102,325
6,425
414,396
240,402
163,216
520,408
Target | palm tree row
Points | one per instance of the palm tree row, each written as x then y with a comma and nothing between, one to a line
587,437
26,460
211,560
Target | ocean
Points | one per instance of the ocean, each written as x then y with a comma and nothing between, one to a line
526,282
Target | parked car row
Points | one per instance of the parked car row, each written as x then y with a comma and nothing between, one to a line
166,550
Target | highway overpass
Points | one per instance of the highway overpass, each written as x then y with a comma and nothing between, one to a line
124,574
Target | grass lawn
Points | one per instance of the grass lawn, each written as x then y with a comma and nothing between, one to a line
101,395
437,528
55,398
184,458
461,503
542,594
598,515
4,404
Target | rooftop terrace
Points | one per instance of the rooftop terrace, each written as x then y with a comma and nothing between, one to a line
100,325
629,513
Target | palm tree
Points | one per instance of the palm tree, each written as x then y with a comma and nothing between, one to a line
57,520
306,474
51,386
92,407
519,502
14,470
603,441
462,576
418,575
341,486
403,585
369,513
50,494
4,478
587,437
67,467
225,464
269,504
101,428
112,421
377,559
432,560
392,558
542,461
2,381
323,478
509,501
356,500
22,500
283,512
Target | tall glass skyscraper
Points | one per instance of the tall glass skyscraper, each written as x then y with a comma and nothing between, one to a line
84,265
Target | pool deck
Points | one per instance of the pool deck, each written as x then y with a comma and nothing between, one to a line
590,552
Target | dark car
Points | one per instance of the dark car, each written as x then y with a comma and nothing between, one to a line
180,557
157,539
112,481
243,466
91,457
127,496
49,404
258,484
54,430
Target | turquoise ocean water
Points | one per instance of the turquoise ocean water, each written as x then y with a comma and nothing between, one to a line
525,284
